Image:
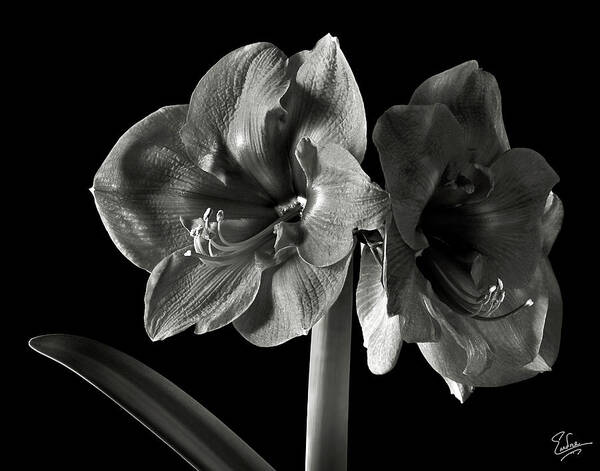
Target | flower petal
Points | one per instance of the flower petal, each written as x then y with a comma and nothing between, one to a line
500,372
519,346
461,352
551,220
458,390
292,298
148,182
340,198
404,284
474,99
324,101
235,110
183,291
506,227
516,339
416,144
552,327
381,331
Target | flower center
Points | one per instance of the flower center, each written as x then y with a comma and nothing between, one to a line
448,229
213,248
456,289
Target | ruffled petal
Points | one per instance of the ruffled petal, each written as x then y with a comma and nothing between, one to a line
506,227
148,182
382,336
416,144
340,198
235,113
292,298
551,221
183,291
405,283
474,99
324,101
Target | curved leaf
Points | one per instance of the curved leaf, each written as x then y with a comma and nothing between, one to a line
172,415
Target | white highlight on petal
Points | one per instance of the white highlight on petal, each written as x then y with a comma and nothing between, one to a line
458,390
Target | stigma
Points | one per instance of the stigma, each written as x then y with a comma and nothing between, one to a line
213,248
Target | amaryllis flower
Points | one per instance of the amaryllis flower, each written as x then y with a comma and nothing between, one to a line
243,204
462,267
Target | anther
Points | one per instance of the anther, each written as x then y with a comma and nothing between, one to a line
214,249
527,303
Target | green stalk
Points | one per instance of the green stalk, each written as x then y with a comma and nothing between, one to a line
328,386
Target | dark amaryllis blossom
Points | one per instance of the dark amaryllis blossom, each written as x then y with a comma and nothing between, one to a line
243,204
462,267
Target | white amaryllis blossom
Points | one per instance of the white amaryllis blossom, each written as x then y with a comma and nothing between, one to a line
243,204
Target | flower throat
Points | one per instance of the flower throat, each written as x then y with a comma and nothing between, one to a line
455,288
213,248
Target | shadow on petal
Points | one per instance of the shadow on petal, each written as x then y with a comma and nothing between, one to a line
405,283
148,182
235,111
506,227
416,144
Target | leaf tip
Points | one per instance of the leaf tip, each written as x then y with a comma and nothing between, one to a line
41,343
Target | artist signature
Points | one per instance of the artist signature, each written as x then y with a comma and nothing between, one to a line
566,445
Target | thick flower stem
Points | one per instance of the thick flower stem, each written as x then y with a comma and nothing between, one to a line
328,386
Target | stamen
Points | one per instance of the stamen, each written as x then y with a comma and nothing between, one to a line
220,251
198,245
223,239
527,303
464,302
210,250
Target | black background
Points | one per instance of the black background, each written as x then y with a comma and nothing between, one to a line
89,79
